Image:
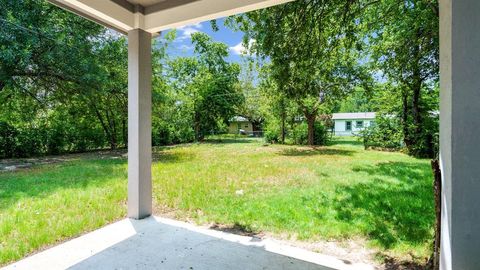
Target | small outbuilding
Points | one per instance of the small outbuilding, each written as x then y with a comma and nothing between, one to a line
349,124
239,124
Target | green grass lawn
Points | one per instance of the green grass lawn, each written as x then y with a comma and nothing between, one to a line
335,192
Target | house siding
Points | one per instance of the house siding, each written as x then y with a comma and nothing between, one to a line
234,127
340,126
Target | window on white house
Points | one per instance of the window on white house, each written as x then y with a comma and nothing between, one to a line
359,124
348,125
246,126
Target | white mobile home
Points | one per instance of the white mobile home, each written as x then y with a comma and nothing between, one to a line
348,124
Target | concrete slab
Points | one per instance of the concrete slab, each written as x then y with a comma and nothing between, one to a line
158,243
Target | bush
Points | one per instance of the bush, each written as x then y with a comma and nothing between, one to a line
427,145
8,134
161,134
384,133
321,134
272,132
30,142
300,134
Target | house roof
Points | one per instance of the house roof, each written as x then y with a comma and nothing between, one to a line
239,119
359,115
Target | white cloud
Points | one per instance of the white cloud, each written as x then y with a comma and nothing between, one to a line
195,25
240,48
187,30
185,47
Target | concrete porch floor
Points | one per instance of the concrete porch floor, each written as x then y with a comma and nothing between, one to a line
159,243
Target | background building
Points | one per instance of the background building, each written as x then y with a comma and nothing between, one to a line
348,124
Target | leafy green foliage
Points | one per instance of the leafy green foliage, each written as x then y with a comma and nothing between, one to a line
62,80
8,134
312,58
386,132
358,101
63,84
403,43
299,134
255,104
203,86
272,132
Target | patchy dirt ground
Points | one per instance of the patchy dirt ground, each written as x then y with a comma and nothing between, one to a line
350,251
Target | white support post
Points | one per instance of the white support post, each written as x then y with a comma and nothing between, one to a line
139,124
460,133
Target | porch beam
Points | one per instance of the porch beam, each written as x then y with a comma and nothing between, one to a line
460,133
192,12
139,124
124,16
106,13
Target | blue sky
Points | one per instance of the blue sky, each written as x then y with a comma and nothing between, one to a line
182,45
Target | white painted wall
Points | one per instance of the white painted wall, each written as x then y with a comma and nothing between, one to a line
459,133
340,126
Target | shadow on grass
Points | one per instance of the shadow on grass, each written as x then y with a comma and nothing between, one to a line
394,264
297,152
353,141
41,182
236,228
396,204
228,141
171,157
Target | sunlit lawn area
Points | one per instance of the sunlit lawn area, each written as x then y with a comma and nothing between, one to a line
335,192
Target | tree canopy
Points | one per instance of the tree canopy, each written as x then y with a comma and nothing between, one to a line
63,79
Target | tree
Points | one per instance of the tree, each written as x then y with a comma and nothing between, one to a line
403,40
205,85
252,106
357,101
310,46
71,72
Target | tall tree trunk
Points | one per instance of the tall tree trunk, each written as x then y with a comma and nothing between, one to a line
311,128
102,122
405,122
256,126
113,130
196,127
416,99
283,115
124,131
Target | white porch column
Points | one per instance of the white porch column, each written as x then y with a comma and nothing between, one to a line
139,124
460,133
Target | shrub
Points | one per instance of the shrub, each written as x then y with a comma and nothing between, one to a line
321,134
161,134
30,142
427,145
8,134
384,133
272,132
300,134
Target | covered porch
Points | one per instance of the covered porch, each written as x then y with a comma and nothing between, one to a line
153,242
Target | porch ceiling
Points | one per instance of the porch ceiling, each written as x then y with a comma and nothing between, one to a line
157,15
